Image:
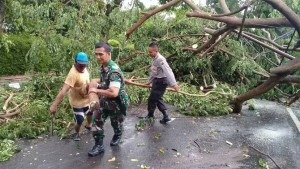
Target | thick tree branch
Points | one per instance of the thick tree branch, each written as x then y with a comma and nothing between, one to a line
287,68
185,35
294,98
130,56
224,6
17,107
7,101
291,79
268,40
172,90
184,49
192,5
267,46
293,18
281,72
288,79
266,86
13,111
208,30
249,23
227,11
216,43
215,36
148,15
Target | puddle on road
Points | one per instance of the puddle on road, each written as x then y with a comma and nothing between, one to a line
271,134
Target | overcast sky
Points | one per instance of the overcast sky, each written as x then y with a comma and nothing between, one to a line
148,3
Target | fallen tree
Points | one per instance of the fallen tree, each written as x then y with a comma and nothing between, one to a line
231,23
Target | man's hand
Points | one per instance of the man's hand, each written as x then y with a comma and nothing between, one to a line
93,90
148,84
176,87
53,109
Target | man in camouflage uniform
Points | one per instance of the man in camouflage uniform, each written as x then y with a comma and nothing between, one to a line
113,98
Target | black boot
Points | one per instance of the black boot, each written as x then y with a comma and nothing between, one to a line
97,149
115,140
150,115
165,118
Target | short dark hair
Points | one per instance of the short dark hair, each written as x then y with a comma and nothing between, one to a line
153,45
104,45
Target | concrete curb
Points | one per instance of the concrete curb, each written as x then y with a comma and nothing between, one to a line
294,118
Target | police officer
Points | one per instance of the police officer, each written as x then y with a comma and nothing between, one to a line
113,98
161,76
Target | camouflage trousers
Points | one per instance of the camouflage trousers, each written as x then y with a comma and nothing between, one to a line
116,119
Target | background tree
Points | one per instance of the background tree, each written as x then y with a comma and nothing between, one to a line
1,15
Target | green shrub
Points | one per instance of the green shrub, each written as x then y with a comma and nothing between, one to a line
7,149
14,57
12,61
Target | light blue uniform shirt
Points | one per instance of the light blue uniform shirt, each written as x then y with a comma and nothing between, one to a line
161,69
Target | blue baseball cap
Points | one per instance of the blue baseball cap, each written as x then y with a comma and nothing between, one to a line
82,58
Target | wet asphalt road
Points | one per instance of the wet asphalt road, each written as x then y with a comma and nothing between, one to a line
185,143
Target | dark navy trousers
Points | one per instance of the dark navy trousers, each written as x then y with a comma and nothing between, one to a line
158,89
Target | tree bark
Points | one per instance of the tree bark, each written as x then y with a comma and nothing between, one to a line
148,15
268,47
211,31
249,23
283,70
266,86
293,18
224,6
291,79
7,101
130,56
216,43
211,41
288,68
294,98
269,40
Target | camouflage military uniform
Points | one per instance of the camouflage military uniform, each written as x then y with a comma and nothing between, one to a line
113,107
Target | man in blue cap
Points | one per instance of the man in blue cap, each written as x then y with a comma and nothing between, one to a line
76,83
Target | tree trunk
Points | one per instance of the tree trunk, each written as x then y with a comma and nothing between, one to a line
287,12
266,86
281,72
1,15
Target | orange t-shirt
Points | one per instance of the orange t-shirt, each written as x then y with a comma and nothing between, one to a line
78,96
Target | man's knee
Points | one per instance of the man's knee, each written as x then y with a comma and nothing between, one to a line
79,119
